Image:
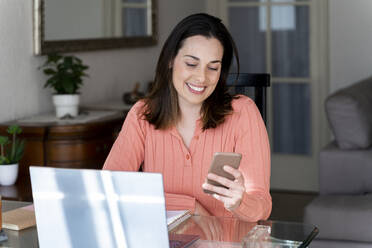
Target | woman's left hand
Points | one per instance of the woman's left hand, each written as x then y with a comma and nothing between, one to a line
232,196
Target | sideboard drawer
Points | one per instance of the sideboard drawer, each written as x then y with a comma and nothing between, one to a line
72,151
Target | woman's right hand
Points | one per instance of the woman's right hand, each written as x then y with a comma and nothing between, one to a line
208,224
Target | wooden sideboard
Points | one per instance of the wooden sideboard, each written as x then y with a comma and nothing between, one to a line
83,145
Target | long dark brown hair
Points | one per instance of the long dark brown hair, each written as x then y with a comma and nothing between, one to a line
161,106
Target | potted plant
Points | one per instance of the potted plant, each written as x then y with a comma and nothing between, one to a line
65,77
11,151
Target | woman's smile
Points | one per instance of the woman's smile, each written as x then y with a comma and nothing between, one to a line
196,89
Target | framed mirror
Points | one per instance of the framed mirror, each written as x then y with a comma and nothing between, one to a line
86,25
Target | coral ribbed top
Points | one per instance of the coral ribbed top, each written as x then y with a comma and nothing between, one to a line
184,168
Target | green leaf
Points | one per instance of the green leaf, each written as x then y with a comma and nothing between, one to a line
49,71
14,129
20,144
4,160
53,57
4,140
14,152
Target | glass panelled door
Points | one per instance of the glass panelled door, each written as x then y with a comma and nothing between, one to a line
275,36
290,68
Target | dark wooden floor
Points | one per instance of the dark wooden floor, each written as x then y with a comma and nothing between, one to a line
289,205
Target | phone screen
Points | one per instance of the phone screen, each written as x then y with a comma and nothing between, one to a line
220,159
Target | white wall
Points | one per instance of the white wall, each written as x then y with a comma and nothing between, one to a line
111,72
350,41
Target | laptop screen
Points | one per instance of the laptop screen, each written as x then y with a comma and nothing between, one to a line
95,208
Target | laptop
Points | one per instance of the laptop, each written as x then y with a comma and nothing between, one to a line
98,208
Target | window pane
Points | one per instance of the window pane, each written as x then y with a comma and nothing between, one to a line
290,41
250,40
292,118
134,22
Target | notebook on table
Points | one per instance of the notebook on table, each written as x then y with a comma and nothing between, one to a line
19,218
97,208
176,217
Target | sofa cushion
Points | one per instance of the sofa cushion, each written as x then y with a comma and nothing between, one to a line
350,116
345,171
341,217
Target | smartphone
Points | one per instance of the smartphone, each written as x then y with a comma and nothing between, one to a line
220,159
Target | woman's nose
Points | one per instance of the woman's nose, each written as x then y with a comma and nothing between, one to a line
200,75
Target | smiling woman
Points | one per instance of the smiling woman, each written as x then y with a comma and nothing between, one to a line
187,117
80,25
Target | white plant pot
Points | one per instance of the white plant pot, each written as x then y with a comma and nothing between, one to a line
66,105
8,174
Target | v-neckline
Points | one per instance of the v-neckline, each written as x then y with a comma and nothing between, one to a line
196,133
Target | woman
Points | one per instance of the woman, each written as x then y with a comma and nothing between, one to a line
187,117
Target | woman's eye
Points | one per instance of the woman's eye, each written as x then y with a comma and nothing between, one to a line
191,65
213,69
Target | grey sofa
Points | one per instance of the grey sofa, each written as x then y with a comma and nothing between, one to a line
343,209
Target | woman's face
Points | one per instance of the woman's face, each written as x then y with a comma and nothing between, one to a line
197,69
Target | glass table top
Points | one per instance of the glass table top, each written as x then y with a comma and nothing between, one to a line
216,232
231,232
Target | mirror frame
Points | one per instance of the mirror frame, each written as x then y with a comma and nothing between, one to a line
42,47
